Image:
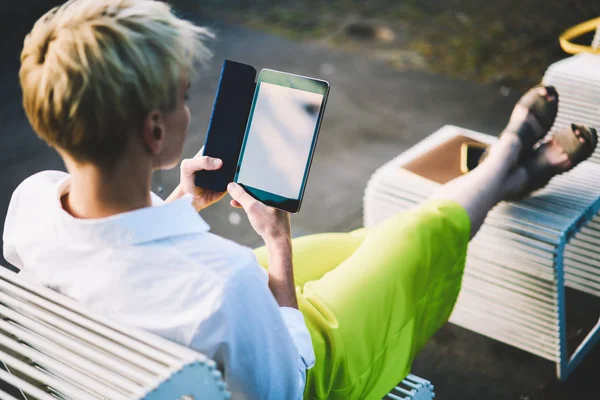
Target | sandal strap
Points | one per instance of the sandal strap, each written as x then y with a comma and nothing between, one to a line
543,111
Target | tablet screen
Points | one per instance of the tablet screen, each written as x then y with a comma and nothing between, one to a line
279,139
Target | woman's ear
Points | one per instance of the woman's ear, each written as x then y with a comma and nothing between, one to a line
153,131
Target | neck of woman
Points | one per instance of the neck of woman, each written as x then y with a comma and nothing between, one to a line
95,193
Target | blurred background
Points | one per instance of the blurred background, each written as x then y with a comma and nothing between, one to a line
399,70
502,42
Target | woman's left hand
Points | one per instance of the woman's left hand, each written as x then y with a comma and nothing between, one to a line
202,197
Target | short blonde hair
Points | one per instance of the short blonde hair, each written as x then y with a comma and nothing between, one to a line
91,70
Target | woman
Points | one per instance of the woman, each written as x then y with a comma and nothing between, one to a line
104,83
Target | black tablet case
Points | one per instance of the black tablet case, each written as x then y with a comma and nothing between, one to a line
227,124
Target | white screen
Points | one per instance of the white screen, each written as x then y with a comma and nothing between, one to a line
279,140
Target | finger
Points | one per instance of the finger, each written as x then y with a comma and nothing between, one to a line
191,165
235,204
239,194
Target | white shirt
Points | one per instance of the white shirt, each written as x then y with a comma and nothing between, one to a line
159,269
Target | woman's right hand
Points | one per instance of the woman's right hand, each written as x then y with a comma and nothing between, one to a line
274,227
270,223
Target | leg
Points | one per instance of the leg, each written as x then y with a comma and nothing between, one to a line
371,314
480,190
501,176
505,173
373,298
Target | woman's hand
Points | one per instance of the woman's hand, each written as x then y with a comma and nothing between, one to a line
274,227
202,198
270,223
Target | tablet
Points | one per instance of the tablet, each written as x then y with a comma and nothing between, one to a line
228,123
280,138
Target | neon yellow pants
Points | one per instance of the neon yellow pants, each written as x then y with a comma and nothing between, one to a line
372,298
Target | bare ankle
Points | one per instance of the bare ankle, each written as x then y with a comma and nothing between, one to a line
507,149
511,140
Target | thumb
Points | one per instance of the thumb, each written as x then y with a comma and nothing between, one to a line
192,165
239,194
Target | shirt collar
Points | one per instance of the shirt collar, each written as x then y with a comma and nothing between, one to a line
160,221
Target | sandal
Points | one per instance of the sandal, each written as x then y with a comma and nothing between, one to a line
540,171
543,111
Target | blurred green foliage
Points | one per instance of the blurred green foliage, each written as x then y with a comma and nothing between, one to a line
508,42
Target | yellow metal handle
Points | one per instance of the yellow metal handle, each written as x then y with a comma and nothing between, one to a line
576,31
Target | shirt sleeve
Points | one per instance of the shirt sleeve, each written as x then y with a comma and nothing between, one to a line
294,321
255,348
